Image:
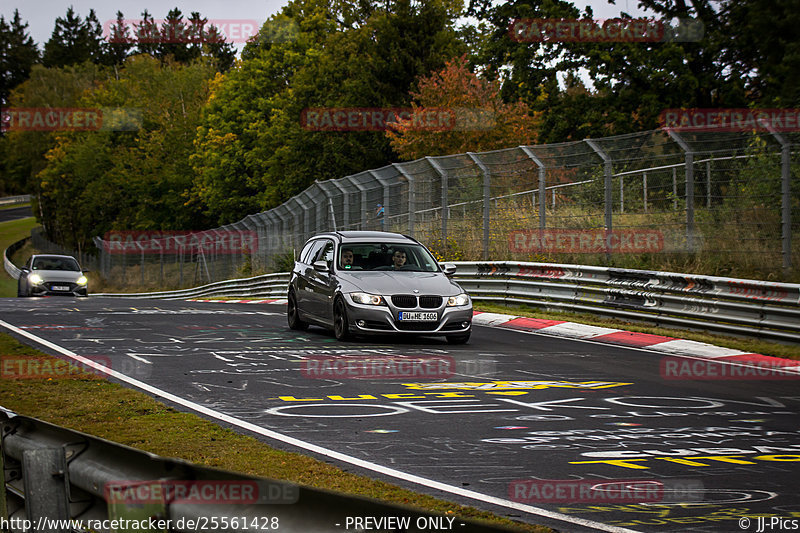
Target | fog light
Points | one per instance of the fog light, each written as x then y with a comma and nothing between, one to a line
360,323
465,325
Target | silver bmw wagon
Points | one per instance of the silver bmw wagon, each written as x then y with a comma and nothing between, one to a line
372,283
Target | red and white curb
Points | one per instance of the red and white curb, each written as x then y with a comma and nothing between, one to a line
575,330
659,343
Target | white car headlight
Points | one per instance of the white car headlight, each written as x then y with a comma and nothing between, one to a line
455,301
82,280
36,279
366,299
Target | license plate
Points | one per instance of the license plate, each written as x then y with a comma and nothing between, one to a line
60,288
418,317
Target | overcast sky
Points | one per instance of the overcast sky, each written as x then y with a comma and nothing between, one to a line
41,14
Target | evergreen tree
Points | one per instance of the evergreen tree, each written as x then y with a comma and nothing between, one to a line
74,41
120,41
18,53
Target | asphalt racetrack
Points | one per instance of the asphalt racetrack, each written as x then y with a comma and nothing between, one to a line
571,434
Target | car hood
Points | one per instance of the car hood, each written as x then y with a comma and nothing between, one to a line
59,275
404,282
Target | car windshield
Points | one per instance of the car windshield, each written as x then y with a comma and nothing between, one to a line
386,257
56,263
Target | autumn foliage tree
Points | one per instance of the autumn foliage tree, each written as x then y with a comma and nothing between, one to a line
481,121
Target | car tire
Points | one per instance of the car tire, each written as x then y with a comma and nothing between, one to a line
459,339
20,292
341,328
293,314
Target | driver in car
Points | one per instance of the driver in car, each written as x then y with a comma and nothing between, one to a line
347,258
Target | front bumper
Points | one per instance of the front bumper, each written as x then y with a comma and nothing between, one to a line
383,319
50,288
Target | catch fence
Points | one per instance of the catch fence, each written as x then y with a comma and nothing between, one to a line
714,202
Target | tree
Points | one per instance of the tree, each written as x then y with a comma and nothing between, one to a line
253,152
120,41
128,179
18,54
74,41
480,120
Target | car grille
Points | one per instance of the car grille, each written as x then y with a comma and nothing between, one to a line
407,301
51,284
430,302
404,301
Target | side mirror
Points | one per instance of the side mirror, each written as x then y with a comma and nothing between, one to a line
25,269
86,271
449,269
320,266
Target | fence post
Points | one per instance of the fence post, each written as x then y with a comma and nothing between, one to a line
411,197
386,196
487,192
689,173
644,190
608,197
542,186
786,198
439,170
345,203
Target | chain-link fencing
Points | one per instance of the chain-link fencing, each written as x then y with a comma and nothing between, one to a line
718,203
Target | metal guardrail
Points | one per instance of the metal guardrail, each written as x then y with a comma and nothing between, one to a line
10,267
12,200
726,305
264,286
54,474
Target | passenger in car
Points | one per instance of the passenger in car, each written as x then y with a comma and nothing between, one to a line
398,259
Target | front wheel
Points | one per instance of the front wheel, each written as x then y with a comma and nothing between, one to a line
20,292
459,339
293,315
341,328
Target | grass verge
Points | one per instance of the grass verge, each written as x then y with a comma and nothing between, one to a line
746,345
93,405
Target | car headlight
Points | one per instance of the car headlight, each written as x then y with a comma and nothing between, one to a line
366,299
461,299
82,280
36,279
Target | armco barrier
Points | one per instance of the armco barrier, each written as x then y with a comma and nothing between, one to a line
264,286
52,473
10,267
726,305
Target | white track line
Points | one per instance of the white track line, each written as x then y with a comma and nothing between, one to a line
430,483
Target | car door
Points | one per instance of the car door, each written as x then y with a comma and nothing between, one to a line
305,272
320,284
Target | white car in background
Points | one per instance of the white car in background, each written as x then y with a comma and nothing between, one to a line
47,275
